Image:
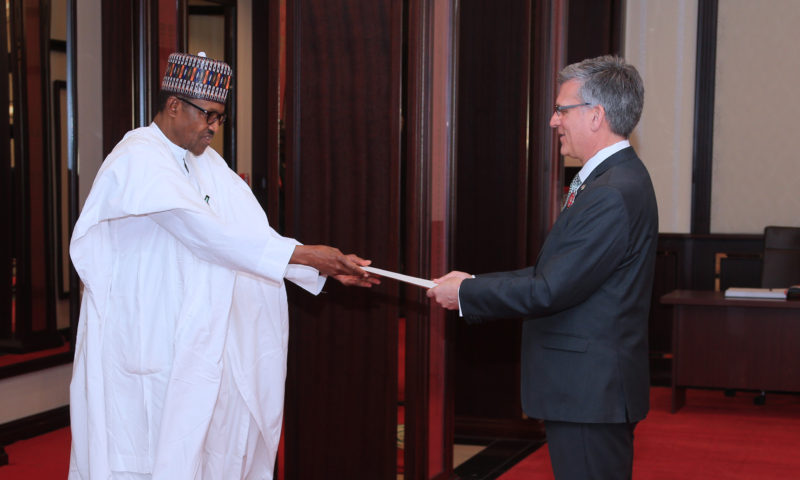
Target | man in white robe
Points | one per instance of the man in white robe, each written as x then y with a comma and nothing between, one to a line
180,357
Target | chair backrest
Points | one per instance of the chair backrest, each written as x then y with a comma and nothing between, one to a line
781,257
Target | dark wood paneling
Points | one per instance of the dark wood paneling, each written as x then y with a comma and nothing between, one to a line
118,50
138,36
416,231
502,428
19,205
550,21
595,28
491,185
660,324
33,274
697,255
6,197
509,170
265,180
343,124
426,226
416,147
230,150
492,135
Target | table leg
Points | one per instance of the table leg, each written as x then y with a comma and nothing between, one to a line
678,393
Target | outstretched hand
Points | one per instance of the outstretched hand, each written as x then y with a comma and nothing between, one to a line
446,292
332,262
356,280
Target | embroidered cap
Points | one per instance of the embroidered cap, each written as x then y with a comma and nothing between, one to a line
196,76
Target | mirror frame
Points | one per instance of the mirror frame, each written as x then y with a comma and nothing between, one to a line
18,304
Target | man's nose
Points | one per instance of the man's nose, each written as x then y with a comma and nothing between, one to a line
555,120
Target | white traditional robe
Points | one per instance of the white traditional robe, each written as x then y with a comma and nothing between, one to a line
183,278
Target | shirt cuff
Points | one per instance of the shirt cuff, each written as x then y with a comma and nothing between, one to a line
460,313
306,277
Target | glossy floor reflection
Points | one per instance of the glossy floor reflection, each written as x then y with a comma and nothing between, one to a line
491,460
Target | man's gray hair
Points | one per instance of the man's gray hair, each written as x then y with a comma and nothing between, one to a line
612,83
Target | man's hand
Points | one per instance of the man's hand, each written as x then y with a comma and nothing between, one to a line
446,293
333,263
356,280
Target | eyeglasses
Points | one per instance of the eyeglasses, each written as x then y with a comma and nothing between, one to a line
211,117
559,109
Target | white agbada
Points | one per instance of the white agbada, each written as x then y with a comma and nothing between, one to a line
183,280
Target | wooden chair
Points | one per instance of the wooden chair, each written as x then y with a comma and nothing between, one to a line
781,266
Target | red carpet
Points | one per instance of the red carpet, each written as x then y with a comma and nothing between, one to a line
712,437
38,458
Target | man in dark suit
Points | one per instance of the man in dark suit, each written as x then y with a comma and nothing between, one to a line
587,299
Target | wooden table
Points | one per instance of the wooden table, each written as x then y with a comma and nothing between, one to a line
744,344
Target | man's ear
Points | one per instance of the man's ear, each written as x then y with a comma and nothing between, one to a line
171,106
598,117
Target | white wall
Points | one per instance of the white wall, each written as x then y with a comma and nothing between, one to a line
660,40
755,174
32,393
90,94
754,166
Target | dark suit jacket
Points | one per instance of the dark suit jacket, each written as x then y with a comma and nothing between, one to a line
586,301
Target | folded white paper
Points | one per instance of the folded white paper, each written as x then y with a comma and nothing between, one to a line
742,292
420,282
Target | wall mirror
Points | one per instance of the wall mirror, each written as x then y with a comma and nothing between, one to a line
39,185
39,303
211,28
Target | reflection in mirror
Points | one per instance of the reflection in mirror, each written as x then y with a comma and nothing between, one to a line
36,186
211,28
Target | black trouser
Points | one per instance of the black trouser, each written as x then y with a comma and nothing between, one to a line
584,451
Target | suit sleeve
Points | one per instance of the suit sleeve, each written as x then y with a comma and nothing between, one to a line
524,272
586,252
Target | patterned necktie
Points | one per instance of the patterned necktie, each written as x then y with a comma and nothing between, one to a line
573,188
